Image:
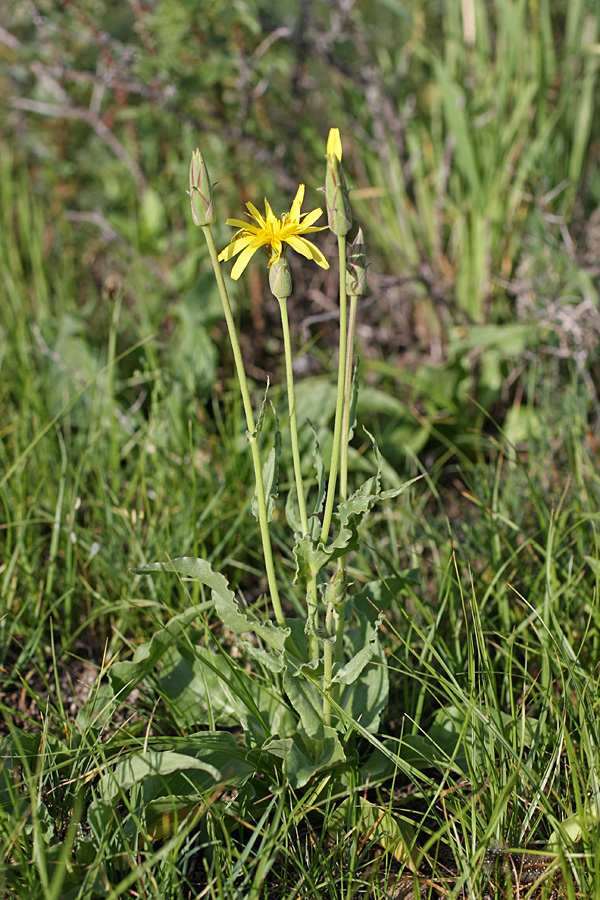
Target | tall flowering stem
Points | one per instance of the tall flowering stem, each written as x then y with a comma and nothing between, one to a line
281,286
357,285
339,215
330,629
280,283
252,435
339,406
268,232
201,200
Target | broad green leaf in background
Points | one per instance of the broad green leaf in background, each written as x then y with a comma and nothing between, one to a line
124,676
298,767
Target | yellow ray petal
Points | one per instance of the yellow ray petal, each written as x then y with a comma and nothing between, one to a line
235,246
305,248
295,210
242,261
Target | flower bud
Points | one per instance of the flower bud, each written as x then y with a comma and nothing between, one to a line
201,195
280,279
339,212
335,591
356,266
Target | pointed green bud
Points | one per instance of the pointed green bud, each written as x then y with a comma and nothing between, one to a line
339,211
356,266
335,591
280,279
201,195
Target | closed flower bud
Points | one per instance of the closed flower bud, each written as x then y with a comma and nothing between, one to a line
335,591
201,195
339,211
356,266
280,279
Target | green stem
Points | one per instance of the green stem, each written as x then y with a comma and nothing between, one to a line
328,662
289,377
340,618
333,471
313,613
311,584
111,402
347,387
252,436
337,428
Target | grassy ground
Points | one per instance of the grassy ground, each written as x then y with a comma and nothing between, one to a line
123,442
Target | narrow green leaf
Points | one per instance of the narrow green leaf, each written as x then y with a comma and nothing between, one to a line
348,673
270,475
320,473
353,399
260,424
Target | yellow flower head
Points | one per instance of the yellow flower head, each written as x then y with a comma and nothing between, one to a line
334,143
272,233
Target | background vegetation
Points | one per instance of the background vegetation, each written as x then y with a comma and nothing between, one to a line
471,136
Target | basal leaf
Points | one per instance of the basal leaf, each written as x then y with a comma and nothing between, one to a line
306,699
194,767
155,765
124,676
298,767
197,686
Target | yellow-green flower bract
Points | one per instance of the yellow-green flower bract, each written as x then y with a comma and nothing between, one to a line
272,233
334,143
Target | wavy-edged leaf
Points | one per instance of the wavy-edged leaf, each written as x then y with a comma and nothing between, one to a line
312,555
226,606
319,471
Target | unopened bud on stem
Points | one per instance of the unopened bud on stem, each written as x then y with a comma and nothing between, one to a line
339,211
280,279
335,591
201,195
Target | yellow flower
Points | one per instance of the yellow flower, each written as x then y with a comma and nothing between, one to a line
272,233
